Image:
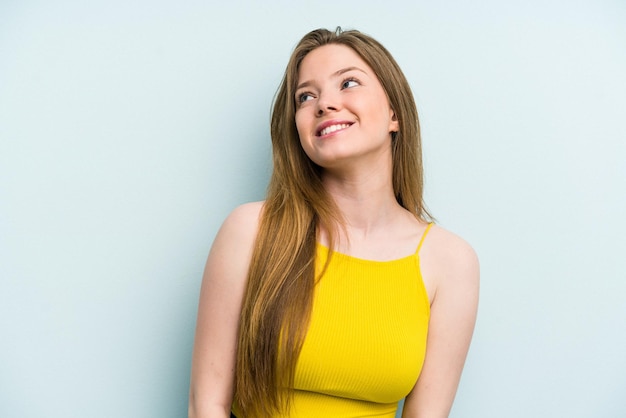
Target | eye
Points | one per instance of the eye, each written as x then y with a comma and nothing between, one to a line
350,82
304,97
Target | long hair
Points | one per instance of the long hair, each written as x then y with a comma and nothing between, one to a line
281,280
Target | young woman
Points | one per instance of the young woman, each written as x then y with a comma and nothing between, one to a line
336,296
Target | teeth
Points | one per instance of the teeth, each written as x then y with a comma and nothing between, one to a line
333,128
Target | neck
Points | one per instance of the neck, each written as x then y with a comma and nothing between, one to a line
364,197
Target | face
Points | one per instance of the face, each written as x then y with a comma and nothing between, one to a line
342,112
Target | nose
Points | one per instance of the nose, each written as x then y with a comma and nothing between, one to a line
327,103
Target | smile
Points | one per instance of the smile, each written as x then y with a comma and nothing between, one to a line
333,128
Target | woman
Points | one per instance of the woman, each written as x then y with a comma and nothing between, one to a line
289,328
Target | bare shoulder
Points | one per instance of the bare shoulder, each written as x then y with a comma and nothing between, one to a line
450,271
241,224
219,309
447,259
244,219
448,247
234,243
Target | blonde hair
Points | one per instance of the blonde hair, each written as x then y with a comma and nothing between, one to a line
279,295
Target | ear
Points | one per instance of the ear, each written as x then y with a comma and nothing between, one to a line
394,125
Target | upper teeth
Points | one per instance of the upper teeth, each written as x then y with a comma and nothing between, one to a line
333,128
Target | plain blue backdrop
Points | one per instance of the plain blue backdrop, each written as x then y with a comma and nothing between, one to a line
129,129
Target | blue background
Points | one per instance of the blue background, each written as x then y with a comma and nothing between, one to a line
129,129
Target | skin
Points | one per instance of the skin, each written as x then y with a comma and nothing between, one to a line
335,84
221,295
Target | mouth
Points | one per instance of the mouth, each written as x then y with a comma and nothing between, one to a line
335,127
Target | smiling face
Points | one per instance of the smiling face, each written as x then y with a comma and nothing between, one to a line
342,111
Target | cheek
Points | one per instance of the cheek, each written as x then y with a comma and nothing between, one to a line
301,129
300,125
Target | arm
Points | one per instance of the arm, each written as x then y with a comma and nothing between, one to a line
452,268
221,297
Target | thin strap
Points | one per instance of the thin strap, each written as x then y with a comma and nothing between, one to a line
423,237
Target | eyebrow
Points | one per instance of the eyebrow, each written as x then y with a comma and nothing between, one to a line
335,74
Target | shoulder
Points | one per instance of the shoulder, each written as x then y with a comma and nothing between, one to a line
219,310
450,269
246,215
445,246
235,239
449,260
243,221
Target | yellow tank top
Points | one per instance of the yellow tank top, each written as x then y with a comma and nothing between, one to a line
366,341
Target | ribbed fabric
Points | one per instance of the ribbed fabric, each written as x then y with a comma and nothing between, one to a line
366,341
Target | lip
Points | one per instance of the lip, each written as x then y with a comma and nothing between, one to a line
328,123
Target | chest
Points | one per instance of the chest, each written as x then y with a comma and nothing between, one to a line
367,334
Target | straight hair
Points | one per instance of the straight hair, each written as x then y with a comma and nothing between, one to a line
281,280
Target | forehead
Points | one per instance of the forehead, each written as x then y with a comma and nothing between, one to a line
326,60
